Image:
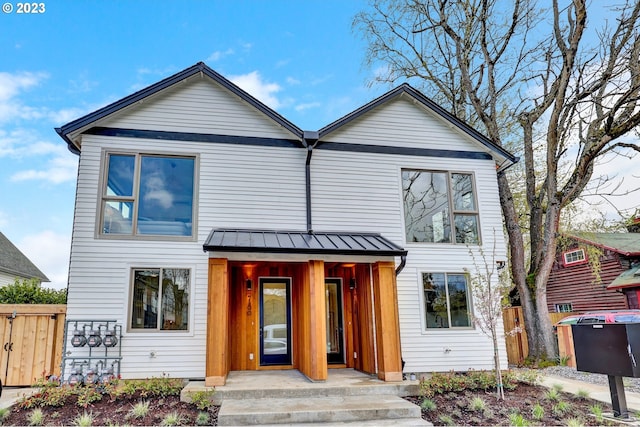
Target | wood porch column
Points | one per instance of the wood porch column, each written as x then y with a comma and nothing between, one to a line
387,321
313,325
217,357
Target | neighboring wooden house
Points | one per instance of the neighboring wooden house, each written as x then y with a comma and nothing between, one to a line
223,237
15,265
572,285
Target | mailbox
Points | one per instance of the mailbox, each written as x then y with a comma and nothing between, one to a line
612,349
608,348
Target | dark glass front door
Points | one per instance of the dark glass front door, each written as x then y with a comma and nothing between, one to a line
275,321
335,334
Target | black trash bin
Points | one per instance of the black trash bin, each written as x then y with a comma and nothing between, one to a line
612,349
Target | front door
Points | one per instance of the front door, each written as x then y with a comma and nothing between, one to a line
275,321
335,335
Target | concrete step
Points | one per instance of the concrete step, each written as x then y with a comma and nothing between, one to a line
334,409
306,390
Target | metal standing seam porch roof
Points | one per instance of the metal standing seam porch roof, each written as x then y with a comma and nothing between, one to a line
301,242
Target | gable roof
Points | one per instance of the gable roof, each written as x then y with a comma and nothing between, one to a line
72,129
407,89
86,122
14,262
627,244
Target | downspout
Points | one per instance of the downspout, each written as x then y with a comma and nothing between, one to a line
310,139
403,262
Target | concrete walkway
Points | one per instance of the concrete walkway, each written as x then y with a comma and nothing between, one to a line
11,395
596,391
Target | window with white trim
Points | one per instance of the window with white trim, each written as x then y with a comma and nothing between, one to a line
147,195
574,257
440,207
447,300
160,299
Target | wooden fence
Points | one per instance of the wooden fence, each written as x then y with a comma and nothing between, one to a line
31,338
516,336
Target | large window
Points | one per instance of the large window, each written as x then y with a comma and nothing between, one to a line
160,299
446,300
148,195
435,203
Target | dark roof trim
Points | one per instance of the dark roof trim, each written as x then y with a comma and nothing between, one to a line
200,67
300,242
417,95
408,151
195,137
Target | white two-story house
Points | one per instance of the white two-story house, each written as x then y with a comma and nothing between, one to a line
222,237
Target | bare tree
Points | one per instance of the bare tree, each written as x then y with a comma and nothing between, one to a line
535,82
490,289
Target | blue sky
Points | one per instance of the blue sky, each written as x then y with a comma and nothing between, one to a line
299,57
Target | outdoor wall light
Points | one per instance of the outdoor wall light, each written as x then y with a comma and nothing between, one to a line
249,284
94,339
110,339
352,283
78,340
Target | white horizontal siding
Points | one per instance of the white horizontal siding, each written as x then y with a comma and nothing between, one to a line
7,279
363,192
201,106
238,186
403,122
264,187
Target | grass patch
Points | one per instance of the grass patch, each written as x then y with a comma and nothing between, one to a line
537,412
36,417
139,410
428,405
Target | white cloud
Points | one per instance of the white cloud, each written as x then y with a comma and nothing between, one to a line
49,251
58,170
293,81
256,86
11,86
219,54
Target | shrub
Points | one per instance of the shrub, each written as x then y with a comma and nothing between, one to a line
202,399
439,383
31,292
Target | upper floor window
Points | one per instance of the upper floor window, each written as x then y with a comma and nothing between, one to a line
437,203
446,300
574,257
148,195
160,299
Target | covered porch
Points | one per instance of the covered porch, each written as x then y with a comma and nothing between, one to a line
304,301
